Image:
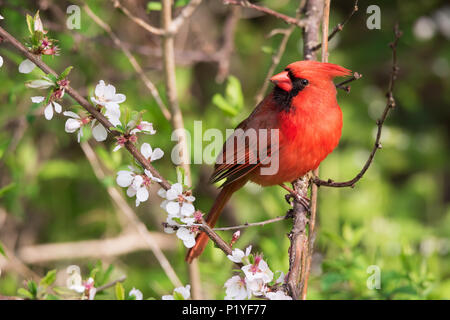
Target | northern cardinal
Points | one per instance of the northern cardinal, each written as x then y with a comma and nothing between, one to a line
304,109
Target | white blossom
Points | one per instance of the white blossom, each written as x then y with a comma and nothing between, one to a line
144,127
39,84
237,254
137,183
177,203
73,124
48,111
26,66
1,61
187,236
106,96
151,154
37,99
258,270
278,295
99,132
136,293
236,289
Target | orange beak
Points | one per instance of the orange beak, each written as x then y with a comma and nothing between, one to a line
282,81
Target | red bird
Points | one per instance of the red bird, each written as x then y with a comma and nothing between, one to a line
304,109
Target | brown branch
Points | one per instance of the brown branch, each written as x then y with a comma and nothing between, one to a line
390,104
137,20
172,96
298,237
109,247
148,239
242,226
285,18
342,85
184,15
306,268
228,44
339,26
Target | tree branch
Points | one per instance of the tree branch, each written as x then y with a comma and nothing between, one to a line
390,104
339,26
285,18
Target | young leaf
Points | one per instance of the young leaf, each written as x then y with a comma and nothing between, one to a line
2,251
25,293
30,24
65,73
120,291
49,278
155,6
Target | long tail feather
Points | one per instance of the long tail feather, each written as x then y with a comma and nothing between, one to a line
202,239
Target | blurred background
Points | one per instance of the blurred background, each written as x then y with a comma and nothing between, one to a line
57,201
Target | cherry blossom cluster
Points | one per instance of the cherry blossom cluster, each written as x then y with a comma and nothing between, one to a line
181,214
255,279
85,290
37,43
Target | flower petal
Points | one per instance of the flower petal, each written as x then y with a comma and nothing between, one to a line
48,112
124,178
37,99
26,66
99,132
146,150
57,107
157,154
142,194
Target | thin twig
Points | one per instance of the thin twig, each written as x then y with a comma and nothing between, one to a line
124,209
285,18
171,88
137,20
111,284
276,57
342,85
390,104
339,26
242,226
184,15
137,67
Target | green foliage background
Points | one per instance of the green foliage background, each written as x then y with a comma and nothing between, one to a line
397,217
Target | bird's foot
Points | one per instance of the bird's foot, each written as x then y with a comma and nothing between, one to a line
294,195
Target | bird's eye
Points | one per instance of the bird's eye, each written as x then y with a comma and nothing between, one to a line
304,82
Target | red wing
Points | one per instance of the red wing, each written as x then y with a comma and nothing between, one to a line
240,154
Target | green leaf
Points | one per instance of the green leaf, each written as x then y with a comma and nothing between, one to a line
25,293
49,278
234,93
181,3
120,291
30,24
65,73
223,105
32,287
154,6
2,250
7,188
58,169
